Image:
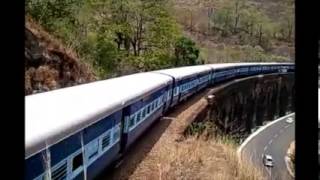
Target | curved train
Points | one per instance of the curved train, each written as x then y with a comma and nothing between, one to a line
76,132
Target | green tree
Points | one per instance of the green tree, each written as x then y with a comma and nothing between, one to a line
112,33
186,52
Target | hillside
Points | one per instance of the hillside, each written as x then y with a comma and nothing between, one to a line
122,37
239,30
117,37
49,65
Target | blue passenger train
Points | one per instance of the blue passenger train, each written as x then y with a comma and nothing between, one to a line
76,132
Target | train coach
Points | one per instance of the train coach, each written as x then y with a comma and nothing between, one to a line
187,81
76,132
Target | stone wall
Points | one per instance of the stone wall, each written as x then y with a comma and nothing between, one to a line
241,105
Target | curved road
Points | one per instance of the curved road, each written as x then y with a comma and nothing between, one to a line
273,140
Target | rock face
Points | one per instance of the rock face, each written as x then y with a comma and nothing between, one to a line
290,159
240,106
48,65
291,152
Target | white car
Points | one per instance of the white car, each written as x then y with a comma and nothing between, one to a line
267,160
289,120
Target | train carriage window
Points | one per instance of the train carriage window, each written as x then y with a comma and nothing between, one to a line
138,116
143,113
77,162
148,109
151,106
135,118
131,121
105,141
155,104
59,172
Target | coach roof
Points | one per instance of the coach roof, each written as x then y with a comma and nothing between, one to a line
53,115
183,72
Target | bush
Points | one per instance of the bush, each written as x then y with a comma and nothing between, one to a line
186,52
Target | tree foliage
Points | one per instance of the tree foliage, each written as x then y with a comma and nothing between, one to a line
111,34
186,52
252,25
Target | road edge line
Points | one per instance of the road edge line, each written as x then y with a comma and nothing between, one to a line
258,131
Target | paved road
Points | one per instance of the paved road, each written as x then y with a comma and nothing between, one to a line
273,140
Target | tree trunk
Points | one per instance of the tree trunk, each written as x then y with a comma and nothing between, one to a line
210,12
237,16
127,44
260,34
191,21
139,36
134,46
289,32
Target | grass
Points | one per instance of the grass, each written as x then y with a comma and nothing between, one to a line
200,158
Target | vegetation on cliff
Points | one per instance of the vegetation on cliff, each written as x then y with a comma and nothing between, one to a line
48,64
117,37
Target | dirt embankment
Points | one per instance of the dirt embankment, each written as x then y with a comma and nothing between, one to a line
48,64
164,152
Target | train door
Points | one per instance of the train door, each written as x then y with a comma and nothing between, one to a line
173,85
124,128
180,90
166,95
213,74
